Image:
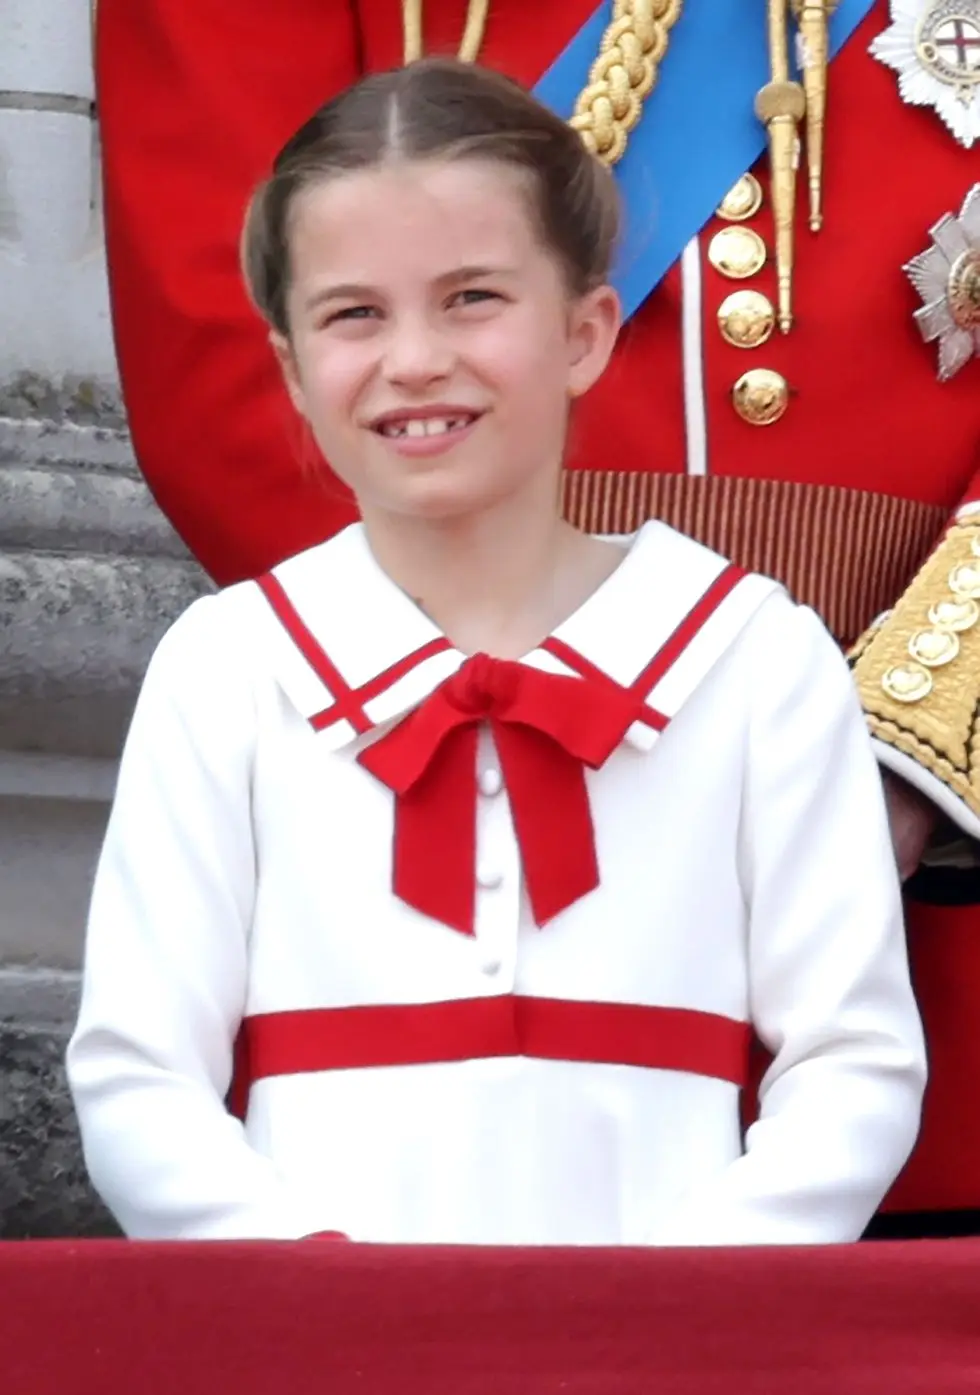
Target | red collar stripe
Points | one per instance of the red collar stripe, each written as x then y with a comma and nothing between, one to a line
345,705
348,702
321,720
695,620
551,1029
580,665
666,656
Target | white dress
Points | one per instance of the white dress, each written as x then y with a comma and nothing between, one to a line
500,1081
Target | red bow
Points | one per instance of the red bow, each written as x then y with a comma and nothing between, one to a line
546,728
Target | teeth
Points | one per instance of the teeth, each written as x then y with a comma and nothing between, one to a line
429,426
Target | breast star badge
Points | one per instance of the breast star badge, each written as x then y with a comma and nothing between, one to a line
947,276
934,46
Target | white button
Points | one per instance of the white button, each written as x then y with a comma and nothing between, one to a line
491,781
491,966
489,878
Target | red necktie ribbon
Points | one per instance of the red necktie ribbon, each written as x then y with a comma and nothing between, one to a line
547,728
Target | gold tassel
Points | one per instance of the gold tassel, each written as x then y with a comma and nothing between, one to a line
813,17
473,31
780,106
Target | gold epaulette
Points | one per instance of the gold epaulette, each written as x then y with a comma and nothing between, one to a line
918,668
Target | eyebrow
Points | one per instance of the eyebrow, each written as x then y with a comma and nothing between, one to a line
353,290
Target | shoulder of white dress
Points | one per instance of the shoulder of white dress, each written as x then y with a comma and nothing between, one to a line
211,648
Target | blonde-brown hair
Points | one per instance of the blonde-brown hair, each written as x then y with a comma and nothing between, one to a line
437,109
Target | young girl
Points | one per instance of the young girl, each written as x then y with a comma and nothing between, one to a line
489,844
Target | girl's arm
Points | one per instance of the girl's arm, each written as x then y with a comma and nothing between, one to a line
830,995
166,960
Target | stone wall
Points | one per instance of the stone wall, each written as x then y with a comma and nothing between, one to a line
90,576
53,296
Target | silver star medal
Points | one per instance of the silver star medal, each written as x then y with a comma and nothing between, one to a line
947,276
934,46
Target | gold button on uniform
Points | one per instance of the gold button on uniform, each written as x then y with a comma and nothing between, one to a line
933,648
955,615
907,682
761,396
742,201
737,253
746,319
964,581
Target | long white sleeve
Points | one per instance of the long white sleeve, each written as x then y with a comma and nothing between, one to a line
165,972
829,985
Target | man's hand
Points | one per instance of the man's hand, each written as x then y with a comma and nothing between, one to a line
912,818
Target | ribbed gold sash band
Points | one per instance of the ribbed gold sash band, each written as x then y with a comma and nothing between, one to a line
846,552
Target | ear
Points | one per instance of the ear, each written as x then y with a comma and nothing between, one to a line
594,325
286,358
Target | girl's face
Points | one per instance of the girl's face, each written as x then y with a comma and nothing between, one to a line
434,348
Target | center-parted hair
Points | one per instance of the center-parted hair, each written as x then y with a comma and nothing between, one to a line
437,109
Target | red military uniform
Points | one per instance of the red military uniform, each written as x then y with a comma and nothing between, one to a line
843,495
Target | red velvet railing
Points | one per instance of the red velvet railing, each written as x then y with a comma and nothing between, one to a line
322,1318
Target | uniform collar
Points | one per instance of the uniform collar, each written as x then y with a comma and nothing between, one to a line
385,656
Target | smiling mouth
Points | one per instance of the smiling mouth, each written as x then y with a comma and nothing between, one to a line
418,427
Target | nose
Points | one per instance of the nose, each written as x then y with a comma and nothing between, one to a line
417,354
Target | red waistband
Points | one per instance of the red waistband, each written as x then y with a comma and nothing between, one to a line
627,1034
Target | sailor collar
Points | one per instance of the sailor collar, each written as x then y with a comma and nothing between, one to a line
354,654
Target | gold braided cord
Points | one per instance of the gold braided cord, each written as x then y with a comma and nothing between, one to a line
476,23
624,74
621,78
473,29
